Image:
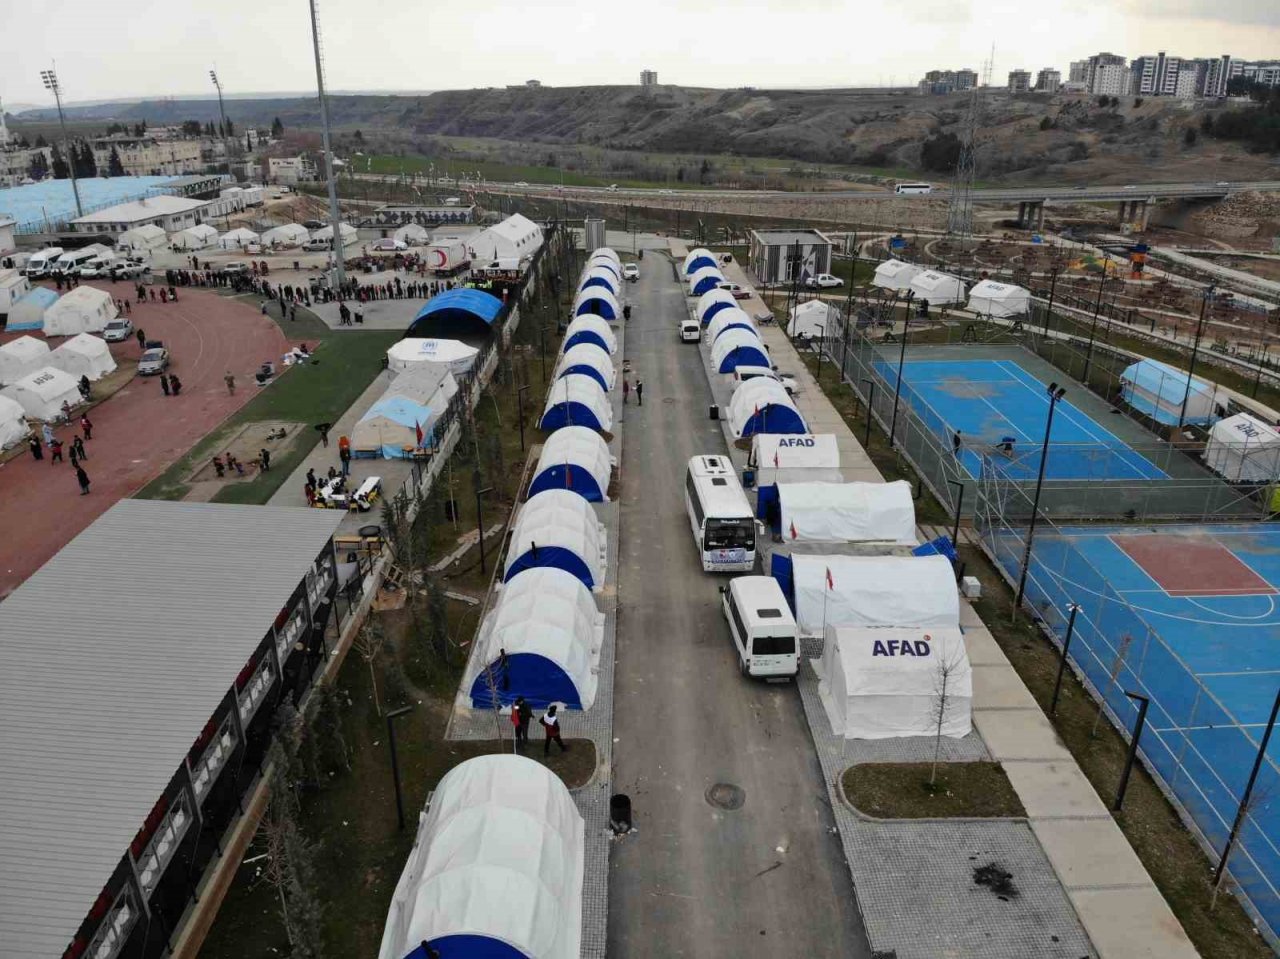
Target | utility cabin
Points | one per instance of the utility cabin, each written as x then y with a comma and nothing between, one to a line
782,257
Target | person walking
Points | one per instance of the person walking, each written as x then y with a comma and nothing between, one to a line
626,390
230,380
77,445
265,455
142,339
956,443
46,432
218,469
86,426
55,451
83,479
175,384
344,457
164,383
639,392
324,434
71,454
37,450
551,724
521,716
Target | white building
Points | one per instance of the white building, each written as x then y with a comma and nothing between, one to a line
1103,73
291,170
170,213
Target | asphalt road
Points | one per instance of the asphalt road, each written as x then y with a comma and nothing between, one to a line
768,878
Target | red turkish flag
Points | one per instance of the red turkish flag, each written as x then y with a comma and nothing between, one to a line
794,535
831,583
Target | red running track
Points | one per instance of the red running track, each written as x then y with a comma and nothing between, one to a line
139,432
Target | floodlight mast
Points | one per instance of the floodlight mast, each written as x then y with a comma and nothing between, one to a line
50,78
335,216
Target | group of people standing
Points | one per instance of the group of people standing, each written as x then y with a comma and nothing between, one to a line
522,716
75,450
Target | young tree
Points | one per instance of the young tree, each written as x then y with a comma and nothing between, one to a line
114,166
231,129
61,170
277,129
326,726
39,167
950,670
90,162
369,643
41,141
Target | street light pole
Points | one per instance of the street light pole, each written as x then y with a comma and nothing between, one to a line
1062,663
1093,327
520,405
50,78
1195,350
395,761
337,247
1056,393
480,525
1053,286
822,331
213,75
902,359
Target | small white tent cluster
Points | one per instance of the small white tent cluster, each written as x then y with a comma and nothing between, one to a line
990,298
817,319
85,309
938,288
895,275
411,353
142,239
288,235
238,239
574,458
13,422
576,399
557,528
762,405
514,238
496,867
42,393
411,234
194,238
20,357
347,231
1244,449
392,428
847,512
84,355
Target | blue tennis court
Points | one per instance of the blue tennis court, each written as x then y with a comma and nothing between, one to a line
1189,616
991,401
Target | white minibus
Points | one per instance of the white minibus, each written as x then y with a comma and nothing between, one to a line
719,515
763,629
41,262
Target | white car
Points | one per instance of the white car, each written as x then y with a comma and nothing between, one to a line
631,271
744,373
118,330
666,191
520,183
735,290
387,245
823,281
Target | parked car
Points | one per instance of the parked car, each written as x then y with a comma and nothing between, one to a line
388,245
315,246
744,373
738,292
631,271
823,281
235,268
118,330
313,224
127,271
666,191
96,268
154,361
520,183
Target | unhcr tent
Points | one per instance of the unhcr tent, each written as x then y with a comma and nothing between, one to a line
496,868
83,310
577,400
13,422
597,301
326,233
20,357
884,683
547,624
28,313
816,318
1158,390
711,303
990,298
557,528
762,405
194,238
238,239
894,275
589,360
698,259
412,235
391,425
841,512
42,393
410,354
142,239
731,319
574,458
871,591
291,234
938,288
600,276
707,278
780,458
428,384
1244,449
456,313
84,355
590,329
739,348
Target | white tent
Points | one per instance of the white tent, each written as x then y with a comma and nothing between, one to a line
411,234
326,233
874,591
706,307
238,239
20,357
804,458
85,309
816,318
548,625
600,273
453,355
757,354
13,422
938,288
588,359
697,253
558,528
848,512
577,400
84,355
428,384
725,320
194,238
514,238
291,234
990,298
28,312
591,329
391,426
599,261
498,859
142,239
596,300
885,683
1244,449
606,253
1161,392
698,280
895,275
762,405
574,458
42,393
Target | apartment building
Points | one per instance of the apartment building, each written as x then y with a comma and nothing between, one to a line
1048,80
1019,81
291,170
147,156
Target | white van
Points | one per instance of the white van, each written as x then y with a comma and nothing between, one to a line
690,331
41,262
69,263
762,627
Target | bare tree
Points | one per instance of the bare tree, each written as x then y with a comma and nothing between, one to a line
326,726
1125,642
369,643
944,705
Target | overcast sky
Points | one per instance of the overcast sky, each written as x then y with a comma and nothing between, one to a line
149,48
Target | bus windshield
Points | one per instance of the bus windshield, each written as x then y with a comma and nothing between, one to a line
730,534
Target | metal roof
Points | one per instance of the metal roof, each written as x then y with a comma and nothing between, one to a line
789,237
113,657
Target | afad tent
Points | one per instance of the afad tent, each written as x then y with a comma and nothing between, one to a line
597,301
601,276
869,590
1158,390
411,354
291,234
707,278
142,239
392,428
818,319
841,512
238,239
28,313
496,868
194,238
1244,449
326,233
547,624
577,459
559,529
411,234
698,259
800,458
738,348
990,298
85,309
894,275
884,683
13,423
84,355
589,360
938,288
725,320
577,400
591,329
42,393
515,238
20,357
761,405
711,303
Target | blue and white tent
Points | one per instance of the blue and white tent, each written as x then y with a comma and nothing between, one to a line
712,302
762,405
391,425
597,301
454,314
496,868
28,313
733,319
601,276
1158,390
707,278
589,360
577,400
574,458
697,260
559,529
541,641
591,329
738,348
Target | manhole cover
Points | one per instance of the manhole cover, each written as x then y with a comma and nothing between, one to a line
726,796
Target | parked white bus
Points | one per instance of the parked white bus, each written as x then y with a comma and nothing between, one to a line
719,515
763,629
913,188
41,262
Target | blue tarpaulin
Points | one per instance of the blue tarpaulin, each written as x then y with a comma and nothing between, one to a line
782,569
455,313
28,312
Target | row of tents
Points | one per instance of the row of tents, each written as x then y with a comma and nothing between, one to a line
148,238
35,382
600,287
81,355
987,298
585,373
85,309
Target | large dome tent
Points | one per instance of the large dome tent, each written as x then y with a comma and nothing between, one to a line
577,400
712,302
194,238
762,405
938,288
238,239
557,528
597,301
990,298
290,234
589,360
590,329
42,393
606,253
895,275
698,259
84,355
454,314
21,357
738,348
725,320
574,458
603,263
707,278
602,277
